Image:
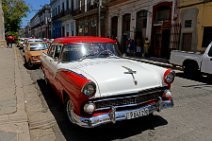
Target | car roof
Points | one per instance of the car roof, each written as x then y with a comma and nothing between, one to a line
77,39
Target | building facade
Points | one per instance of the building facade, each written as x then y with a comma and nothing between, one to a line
63,23
137,20
196,24
90,16
39,24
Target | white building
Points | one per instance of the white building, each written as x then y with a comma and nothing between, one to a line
139,19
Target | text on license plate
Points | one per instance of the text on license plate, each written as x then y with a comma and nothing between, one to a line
139,113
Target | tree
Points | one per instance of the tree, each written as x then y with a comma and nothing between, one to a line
14,11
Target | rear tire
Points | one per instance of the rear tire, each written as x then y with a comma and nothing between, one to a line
29,64
191,69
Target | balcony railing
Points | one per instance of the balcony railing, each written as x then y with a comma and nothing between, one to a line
82,9
62,14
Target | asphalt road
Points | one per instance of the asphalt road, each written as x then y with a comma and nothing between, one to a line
189,120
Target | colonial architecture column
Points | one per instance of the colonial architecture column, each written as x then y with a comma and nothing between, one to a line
2,31
119,27
133,25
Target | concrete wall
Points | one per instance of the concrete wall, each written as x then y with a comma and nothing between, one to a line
2,31
200,15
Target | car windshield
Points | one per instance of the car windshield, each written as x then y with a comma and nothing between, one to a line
35,40
81,51
39,46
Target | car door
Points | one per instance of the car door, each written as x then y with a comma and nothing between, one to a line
53,64
45,59
207,60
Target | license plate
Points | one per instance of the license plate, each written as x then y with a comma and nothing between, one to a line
139,113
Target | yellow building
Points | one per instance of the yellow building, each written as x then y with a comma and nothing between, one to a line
196,24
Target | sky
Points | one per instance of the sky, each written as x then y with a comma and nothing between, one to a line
35,6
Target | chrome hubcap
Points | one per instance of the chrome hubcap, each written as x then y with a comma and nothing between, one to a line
69,110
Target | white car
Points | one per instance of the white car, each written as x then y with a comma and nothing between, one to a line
98,87
193,63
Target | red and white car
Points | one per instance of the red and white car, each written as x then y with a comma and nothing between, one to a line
98,87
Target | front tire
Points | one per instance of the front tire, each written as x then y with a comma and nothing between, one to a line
69,110
191,70
29,64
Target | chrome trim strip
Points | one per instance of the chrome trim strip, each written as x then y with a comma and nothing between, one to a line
115,116
133,95
122,106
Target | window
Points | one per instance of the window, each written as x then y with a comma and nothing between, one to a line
58,49
141,21
54,51
188,23
210,52
163,13
79,51
207,36
51,51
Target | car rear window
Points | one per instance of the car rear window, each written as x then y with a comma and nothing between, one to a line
40,46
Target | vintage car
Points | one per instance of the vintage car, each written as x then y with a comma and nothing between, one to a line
20,42
97,86
32,53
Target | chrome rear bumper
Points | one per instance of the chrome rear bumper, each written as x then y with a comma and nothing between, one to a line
114,115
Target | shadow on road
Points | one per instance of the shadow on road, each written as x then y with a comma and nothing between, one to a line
120,130
199,78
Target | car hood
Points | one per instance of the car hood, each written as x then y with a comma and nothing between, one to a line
119,76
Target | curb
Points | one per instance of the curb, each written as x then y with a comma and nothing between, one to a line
20,99
150,62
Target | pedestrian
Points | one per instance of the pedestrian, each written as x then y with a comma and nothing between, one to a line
138,49
146,48
127,44
10,40
132,47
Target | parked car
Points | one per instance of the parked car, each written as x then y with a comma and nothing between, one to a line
30,40
97,86
32,53
193,62
20,43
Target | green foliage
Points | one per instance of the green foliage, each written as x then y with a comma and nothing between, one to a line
14,11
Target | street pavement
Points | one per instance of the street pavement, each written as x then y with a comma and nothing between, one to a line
13,118
20,117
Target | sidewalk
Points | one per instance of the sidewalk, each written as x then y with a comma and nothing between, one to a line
152,60
13,118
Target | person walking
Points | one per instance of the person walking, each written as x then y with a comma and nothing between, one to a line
10,40
146,48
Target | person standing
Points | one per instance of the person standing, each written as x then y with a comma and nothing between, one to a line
146,47
138,49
